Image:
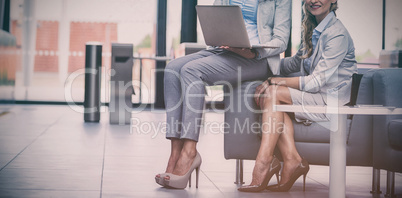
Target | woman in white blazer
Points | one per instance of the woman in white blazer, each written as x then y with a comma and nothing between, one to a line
326,62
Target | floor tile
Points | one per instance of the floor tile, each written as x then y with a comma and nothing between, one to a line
57,162
66,157
47,193
33,179
14,144
163,193
25,130
127,163
5,159
140,181
66,146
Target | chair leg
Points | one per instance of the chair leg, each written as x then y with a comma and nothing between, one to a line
239,172
390,184
375,189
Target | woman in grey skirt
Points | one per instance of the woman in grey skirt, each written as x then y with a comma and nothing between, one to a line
326,62
267,22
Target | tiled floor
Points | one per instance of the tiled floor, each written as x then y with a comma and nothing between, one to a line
48,151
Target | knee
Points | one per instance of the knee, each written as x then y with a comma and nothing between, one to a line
272,92
274,95
283,95
171,65
268,97
172,72
190,71
174,67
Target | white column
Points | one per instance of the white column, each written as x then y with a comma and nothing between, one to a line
337,158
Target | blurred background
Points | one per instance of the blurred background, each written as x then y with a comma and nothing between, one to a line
45,43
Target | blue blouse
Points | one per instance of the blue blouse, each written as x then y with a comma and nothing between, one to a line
249,11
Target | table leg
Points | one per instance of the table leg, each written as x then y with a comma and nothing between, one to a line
337,161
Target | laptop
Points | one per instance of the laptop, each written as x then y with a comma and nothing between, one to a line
224,26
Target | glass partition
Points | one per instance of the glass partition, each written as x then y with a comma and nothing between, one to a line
51,36
48,53
363,19
393,25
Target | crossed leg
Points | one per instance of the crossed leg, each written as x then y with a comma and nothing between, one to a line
277,129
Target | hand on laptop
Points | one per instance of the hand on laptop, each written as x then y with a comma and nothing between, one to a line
245,52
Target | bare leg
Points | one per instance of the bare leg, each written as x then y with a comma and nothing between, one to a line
286,144
176,147
272,128
175,150
186,158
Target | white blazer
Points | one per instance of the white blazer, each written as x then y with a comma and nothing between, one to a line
332,66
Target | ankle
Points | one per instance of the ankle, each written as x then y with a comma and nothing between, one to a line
292,158
264,160
174,155
189,149
189,153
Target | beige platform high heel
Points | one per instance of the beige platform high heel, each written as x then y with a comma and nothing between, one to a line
176,181
159,178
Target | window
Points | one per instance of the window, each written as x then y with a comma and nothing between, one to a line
52,42
363,19
393,25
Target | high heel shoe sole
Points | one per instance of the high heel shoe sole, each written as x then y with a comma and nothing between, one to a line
288,185
257,188
263,185
180,182
168,184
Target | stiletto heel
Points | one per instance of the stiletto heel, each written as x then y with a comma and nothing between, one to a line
274,168
302,169
197,171
189,181
277,177
180,182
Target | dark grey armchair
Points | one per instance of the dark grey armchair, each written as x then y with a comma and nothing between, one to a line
387,130
242,140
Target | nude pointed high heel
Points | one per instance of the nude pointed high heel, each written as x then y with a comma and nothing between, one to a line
302,169
274,168
180,182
